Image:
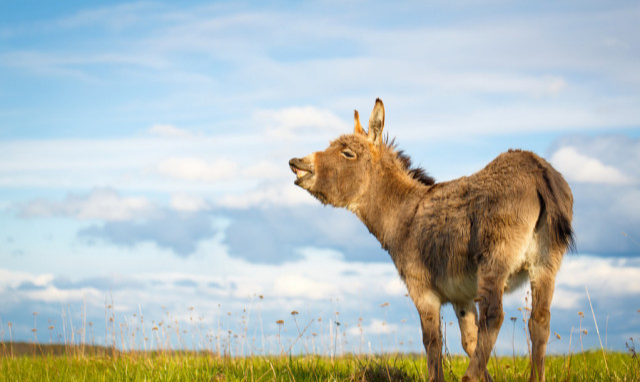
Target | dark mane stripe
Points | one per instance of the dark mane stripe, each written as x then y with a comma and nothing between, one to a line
416,173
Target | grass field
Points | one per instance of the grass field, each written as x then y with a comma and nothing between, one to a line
225,356
29,362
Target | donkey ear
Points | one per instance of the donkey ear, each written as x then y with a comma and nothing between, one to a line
358,128
376,122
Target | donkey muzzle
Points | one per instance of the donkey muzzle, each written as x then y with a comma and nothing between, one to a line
303,169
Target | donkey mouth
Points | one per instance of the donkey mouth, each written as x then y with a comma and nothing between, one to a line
301,169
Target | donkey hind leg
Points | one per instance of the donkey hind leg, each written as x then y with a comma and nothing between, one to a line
467,315
491,283
428,306
542,286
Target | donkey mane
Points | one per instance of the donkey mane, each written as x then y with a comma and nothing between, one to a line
417,173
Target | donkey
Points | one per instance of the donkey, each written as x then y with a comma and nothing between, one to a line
464,242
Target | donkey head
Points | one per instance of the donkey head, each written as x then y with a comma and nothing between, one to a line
341,174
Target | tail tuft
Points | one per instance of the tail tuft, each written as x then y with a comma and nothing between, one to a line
558,202
564,234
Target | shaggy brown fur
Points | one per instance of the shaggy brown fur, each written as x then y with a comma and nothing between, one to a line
465,241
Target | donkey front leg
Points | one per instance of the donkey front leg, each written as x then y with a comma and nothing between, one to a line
490,290
428,305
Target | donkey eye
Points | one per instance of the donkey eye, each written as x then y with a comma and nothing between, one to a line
348,154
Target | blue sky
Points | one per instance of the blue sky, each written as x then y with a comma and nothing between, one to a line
144,150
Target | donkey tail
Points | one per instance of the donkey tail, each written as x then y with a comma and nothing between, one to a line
556,200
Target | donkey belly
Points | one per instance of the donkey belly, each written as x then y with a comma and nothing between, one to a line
516,281
461,288
465,288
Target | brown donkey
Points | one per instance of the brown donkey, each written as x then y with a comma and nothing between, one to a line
466,241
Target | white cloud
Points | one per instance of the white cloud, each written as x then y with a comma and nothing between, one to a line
294,121
10,278
566,299
169,131
52,294
188,203
195,169
376,326
603,276
99,204
581,168
298,286
490,82
395,287
266,170
115,16
555,85
136,163
284,194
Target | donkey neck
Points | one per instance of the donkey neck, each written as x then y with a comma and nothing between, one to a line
389,206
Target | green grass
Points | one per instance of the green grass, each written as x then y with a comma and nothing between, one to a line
27,362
